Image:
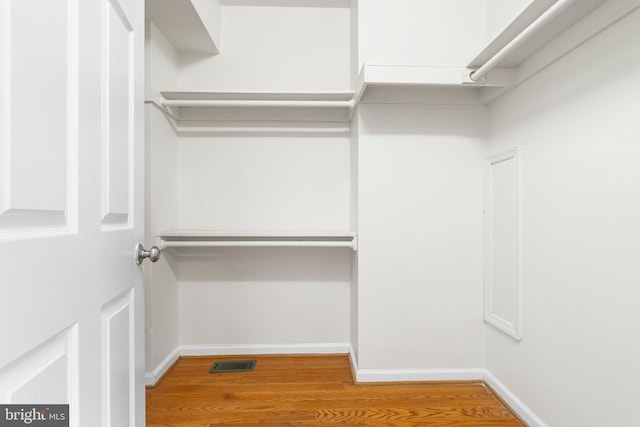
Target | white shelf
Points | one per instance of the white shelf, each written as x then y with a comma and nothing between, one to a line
575,11
189,25
390,83
568,30
443,85
182,239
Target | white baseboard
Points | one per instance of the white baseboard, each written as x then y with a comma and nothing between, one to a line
389,375
362,375
219,350
471,374
151,378
512,400
354,359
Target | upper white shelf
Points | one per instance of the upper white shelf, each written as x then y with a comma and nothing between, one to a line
568,15
534,28
180,239
189,25
543,33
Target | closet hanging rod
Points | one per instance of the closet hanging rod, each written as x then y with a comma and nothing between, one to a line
547,16
164,244
190,129
257,103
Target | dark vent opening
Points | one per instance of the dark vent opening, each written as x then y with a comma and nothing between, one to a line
233,366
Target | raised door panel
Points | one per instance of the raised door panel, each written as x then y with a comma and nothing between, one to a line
118,362
117,144
46,374
37,142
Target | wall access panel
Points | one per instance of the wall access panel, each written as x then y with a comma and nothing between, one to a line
503,282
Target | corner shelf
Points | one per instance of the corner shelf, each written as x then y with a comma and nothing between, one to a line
570,15
567,28
394,83
183,239
524,38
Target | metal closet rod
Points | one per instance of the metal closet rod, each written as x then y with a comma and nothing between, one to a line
258,243
257,103
534,27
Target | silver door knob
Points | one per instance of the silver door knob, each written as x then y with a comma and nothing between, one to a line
141,253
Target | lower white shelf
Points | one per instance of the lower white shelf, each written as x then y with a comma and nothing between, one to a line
228,238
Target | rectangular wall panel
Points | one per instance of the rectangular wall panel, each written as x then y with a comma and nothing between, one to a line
117,124
118,362
503,223
37,114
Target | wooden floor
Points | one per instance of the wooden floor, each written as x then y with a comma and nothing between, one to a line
313,391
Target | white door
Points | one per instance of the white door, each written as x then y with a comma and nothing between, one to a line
71,150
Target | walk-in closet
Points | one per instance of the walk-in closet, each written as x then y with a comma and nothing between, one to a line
442,189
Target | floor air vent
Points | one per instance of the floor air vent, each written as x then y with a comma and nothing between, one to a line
233,366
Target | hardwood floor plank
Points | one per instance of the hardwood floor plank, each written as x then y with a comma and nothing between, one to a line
368,399
313,391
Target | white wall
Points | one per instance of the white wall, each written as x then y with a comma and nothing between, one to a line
275,49
420,236
161,289
434,32
353,226
577,121
264,296
264,182
354,53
